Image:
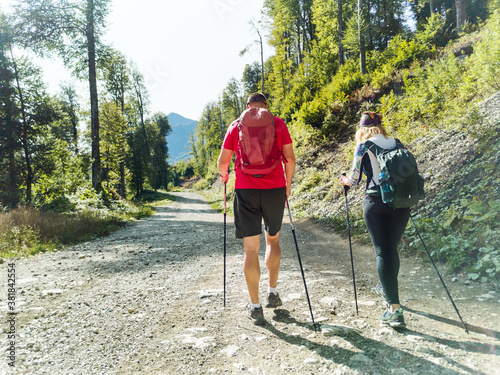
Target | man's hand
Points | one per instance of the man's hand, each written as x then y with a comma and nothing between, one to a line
223,164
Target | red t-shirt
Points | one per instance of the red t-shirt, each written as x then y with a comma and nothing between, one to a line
275,179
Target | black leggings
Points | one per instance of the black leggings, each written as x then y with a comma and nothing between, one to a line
386,226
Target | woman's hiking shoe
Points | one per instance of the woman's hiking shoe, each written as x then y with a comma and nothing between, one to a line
273,300
379,290
394,319
257,316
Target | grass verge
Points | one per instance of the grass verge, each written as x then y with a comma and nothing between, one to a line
27,231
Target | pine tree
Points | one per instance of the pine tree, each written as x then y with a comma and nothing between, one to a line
71,29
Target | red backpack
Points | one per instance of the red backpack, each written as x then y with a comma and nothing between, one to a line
258,149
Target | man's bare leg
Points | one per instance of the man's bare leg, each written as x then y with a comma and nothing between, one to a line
251,266
273,258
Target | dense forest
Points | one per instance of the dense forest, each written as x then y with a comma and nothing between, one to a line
335,58
424,65
46,156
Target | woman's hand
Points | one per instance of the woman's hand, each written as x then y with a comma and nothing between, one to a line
344,181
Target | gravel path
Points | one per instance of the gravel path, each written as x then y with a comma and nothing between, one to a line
149,300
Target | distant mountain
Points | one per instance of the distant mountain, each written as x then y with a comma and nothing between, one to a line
178,140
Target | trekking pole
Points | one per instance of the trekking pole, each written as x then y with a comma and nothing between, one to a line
346,189
300,263
225,195
440,278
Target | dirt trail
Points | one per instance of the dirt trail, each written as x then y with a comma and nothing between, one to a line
149,300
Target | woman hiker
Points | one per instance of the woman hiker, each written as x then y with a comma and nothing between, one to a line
385,224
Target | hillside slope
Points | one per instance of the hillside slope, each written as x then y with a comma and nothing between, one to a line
459,216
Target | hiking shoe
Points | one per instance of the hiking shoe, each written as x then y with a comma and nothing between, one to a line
380,292
273,300
257,316
394,319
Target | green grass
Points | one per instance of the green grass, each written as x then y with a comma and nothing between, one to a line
154,198
27,231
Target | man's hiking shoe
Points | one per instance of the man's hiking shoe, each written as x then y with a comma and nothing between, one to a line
257,316
380,292
273,300
394,319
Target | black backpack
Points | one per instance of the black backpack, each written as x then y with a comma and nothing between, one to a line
401,185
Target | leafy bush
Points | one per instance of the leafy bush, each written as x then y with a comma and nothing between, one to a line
311,179
382,76
434,97
22,240
434,32
339,119
402,52
464,241
331,111
182,170
463,230
484,64
50,191
313,113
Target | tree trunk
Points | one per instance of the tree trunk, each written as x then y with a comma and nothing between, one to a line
261,54
369,29
261,61
123,191
123,188
386,24
143,125
13,195
299,48
461,14
432,6
341,36
69,95
74,123
106,166
94,104
362,54
27,155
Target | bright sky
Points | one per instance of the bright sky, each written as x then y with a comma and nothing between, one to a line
187,50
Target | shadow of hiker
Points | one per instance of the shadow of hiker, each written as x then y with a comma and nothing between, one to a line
470,346
371,350
184,199
470,327
283,316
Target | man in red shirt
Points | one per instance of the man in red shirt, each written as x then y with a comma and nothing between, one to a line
258,198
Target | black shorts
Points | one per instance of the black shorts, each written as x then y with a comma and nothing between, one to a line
253,205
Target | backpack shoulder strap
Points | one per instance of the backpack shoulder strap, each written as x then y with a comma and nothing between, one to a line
399,144
368,167
373,147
